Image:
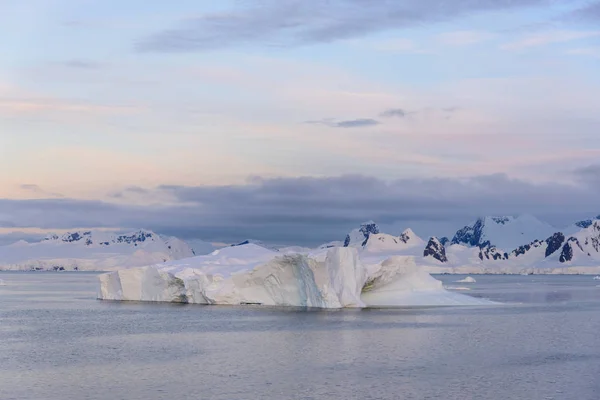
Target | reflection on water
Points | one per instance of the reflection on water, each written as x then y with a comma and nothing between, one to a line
58,342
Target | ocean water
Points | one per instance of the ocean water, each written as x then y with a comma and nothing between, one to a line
58,343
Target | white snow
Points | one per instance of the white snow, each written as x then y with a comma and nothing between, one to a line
251,274
358,237
200,247
508,232
459,288
401,283
103,251
585,245
384,243
468,279
93,250
296,249
329,245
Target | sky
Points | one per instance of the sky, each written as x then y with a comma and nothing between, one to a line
292,121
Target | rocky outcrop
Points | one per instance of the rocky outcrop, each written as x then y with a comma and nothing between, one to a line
554,243
435,249
489,252
470,235
361,235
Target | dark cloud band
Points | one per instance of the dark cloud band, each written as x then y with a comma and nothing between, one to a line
309,210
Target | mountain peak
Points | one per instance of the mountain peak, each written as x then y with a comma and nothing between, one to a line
360,236
586,223
95,250
435,249
408,232
253,242
503,220
504,232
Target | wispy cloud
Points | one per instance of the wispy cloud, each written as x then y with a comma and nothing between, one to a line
28,105
549,37
464,38
351,123
357,123
589,174
135,190
394,112
38,191
292,22
82,64
590,12
399,45
585,51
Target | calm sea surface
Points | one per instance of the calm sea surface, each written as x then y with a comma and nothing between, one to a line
58,343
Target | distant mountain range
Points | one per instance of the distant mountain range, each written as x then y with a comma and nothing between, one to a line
93,250
501,244
493,244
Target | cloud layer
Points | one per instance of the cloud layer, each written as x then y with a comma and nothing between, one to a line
311,210
297,22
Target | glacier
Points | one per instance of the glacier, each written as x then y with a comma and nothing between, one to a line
250,274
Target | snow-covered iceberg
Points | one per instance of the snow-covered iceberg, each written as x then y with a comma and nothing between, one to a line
468,279
400,282
251,274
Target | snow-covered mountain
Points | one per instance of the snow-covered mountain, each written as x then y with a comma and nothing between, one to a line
255,242
384,243
489,245
505,232
200,247
558,253
359,237
93,250
579,225
435,249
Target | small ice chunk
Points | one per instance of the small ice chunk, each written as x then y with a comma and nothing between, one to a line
457,288
597,278
468,279
2,283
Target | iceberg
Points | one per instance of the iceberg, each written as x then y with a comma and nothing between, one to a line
401,283
464,289
251,274
597,278
468,279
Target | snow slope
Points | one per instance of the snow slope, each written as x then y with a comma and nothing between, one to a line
401,283
490,245
200,247
503,232
93,250
359,237
556,253
384,243
251,274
